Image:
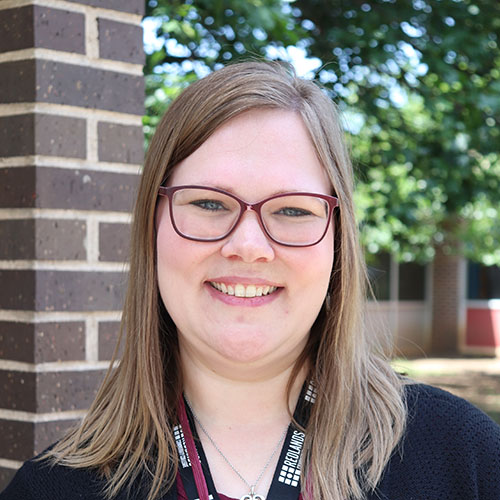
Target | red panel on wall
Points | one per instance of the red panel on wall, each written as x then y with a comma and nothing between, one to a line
483,327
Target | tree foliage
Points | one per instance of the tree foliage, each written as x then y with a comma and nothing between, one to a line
419,84
425,77
199,36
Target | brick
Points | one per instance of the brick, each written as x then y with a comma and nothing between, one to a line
89,87
65,391
47,433
42,27
62,341
18,390
17,239
60,136
50,135
47,187
17,135
18,290
108,338
16,26
120,143
18,187
60,239
42,342
22,440
80,291
114,240
6,476
48,392
132,6
59,30
18,81
16,439
70,84
42,239
61,290
120,41
17,341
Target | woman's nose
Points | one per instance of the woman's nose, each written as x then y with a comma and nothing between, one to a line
248,241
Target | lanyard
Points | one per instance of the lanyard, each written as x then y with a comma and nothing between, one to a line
195,472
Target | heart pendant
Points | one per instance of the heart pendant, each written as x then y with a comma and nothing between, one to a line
252,496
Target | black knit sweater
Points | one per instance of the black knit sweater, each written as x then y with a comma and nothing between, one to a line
451,451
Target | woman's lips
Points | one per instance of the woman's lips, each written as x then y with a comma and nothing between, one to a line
241,290
235,293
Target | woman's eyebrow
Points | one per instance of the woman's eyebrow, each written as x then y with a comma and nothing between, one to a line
232,191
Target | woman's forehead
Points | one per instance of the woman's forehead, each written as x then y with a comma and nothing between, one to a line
271,147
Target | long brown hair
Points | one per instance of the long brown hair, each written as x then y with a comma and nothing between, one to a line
359,414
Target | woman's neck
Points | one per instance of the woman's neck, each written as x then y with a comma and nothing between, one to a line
243,419
230,396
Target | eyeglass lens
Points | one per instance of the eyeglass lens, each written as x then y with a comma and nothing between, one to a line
207,215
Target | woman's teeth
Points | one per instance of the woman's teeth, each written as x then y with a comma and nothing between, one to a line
244,291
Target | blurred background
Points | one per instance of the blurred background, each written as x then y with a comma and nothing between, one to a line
419,87
83,85
418,84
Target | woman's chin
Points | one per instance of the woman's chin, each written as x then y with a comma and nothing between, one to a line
262,355
243,352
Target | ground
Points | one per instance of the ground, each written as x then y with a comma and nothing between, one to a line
475,379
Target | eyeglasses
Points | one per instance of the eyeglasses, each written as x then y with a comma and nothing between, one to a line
209,214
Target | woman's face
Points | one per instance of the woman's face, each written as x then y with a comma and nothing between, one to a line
255,155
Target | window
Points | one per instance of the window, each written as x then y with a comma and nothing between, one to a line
390,281
484,282
411,281
379,274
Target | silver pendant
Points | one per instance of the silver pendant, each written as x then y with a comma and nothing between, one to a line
252,495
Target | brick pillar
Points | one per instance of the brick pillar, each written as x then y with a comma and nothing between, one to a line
71,146
448,302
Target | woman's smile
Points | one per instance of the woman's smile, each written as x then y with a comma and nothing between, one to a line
240,290
245,298
242,293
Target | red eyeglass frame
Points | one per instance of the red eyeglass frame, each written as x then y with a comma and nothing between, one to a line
245,206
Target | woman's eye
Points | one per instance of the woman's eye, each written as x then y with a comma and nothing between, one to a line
293,212
211,205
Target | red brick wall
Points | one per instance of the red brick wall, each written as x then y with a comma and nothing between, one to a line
448,302
71,146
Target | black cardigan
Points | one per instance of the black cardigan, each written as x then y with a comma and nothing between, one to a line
450,451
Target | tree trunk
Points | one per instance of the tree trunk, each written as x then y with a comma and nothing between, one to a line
448,302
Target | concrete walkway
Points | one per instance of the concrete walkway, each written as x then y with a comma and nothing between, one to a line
449,365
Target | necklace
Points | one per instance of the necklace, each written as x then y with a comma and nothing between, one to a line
252,495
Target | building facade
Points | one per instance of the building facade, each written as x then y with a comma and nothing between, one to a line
405,305
71,147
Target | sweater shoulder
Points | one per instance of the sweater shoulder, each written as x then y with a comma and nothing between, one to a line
43,480
434,409
450,450
438,420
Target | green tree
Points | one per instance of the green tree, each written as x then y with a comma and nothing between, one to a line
419,84
423,78
197,36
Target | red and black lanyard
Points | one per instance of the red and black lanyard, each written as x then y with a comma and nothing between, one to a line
195,472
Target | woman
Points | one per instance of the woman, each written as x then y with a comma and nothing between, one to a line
244,329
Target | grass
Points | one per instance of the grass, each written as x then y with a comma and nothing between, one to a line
480,388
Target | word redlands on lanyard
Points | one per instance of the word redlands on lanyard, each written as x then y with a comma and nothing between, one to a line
195,472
